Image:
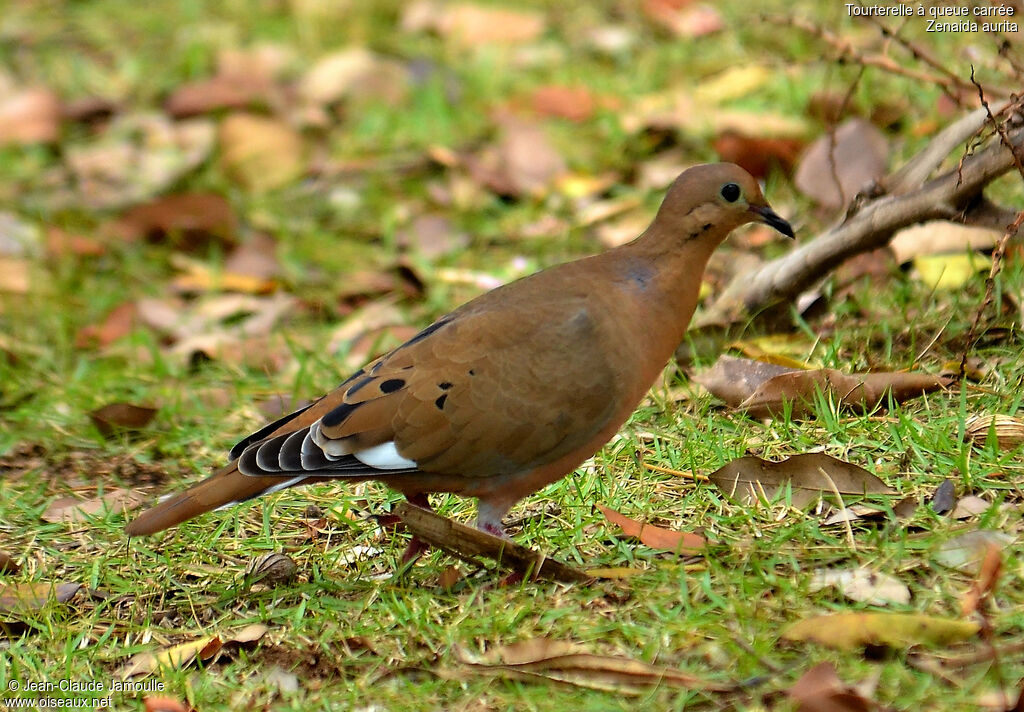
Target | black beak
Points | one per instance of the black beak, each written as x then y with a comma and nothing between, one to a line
769,217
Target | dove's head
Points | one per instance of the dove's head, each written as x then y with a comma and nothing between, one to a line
708,201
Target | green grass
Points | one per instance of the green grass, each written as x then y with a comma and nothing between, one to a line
358,637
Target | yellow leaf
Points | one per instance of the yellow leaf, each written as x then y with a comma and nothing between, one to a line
614,572
949,271
732,84
847,631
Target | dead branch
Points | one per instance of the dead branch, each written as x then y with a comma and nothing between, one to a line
766,295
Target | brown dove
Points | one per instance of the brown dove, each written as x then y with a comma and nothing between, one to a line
512,390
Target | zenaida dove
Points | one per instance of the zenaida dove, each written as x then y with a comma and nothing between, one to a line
512,390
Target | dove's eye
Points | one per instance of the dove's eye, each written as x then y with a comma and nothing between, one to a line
731,192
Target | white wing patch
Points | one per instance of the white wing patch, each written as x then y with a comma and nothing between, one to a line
384,457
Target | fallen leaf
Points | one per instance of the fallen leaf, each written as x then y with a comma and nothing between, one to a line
967,551
970,506
217,93
857,157
29,116
756,154
615,572
859,392
199,277
136,157
186,220
544,659
183,654
948,272
940,237
734,379
163,704
255,258
76,512
944,498
820,690
572,103
119,417
862,584
655,537
848,631
684,19
60,243
471,25
1007,431
449,577
750,479
354,72
22,599
431,236
985,582
523,162
15,275
261,153
733,83
117,324
7,564
624,229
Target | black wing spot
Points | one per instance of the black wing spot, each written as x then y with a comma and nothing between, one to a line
440,401
472,372
391,385
339,414
706,227
444,386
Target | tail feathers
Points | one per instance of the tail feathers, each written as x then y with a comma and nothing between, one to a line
225,487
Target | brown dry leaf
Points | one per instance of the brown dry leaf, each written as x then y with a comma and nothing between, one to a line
356,73
7,564
15,275
186,220
967,551
683,19
76,512
857,157
985,583
859,392
1007,430
733,379
117,324
758,155
261,153
137,157
61,242
471,25
862,584
544,659
359,288
121,417
88,109
970,506
164,704
22,599
848,631
240,91
29,116
523,162
449,577
255,258
183,654
431,236
751,479
624,229
939,237
820,690
655,537
572,103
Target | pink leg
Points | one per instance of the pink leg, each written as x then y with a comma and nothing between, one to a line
488,517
